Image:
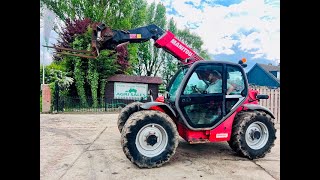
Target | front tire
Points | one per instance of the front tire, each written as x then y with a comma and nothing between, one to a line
253,134
149,138
126,112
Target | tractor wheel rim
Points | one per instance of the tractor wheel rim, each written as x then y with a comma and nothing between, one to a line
151,140
257,135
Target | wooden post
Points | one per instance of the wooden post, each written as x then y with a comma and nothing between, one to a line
273,103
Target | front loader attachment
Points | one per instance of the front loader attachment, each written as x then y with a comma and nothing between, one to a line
74,52
100,34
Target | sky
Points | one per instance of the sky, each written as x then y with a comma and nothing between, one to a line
230,29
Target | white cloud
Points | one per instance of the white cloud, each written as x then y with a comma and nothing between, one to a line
262,43
219,23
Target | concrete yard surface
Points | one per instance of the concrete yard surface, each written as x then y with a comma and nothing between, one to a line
87,146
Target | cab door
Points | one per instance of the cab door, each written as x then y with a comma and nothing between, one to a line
197,107
235,76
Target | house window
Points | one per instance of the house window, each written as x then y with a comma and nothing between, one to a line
274,73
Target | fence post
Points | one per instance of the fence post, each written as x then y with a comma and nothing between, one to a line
276,104
105,103
273,103
56,95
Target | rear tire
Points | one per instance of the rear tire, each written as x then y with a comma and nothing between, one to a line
253,134
126,112
149,138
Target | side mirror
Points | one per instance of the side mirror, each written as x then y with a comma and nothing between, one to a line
262,96
244,65
149,92
242,62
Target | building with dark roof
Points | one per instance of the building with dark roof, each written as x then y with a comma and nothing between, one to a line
264,75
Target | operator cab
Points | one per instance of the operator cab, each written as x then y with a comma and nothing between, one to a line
200,108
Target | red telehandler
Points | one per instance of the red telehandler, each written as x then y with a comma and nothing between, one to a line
150,131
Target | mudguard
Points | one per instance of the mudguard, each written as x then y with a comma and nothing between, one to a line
259,107
148,105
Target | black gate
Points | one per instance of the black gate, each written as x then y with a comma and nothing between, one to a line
58,103
62,103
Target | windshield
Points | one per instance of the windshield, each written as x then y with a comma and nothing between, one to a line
175,83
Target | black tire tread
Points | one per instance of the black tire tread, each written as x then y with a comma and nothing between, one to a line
126,112
237,141
132,122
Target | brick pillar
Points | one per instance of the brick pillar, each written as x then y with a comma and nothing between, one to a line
46,98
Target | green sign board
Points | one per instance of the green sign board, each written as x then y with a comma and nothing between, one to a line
130,91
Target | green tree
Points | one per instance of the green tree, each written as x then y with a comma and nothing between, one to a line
159,20
89,74
116,14
148,56
170,62
143,53
55,72
139,14
193,40
79,9
155,62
